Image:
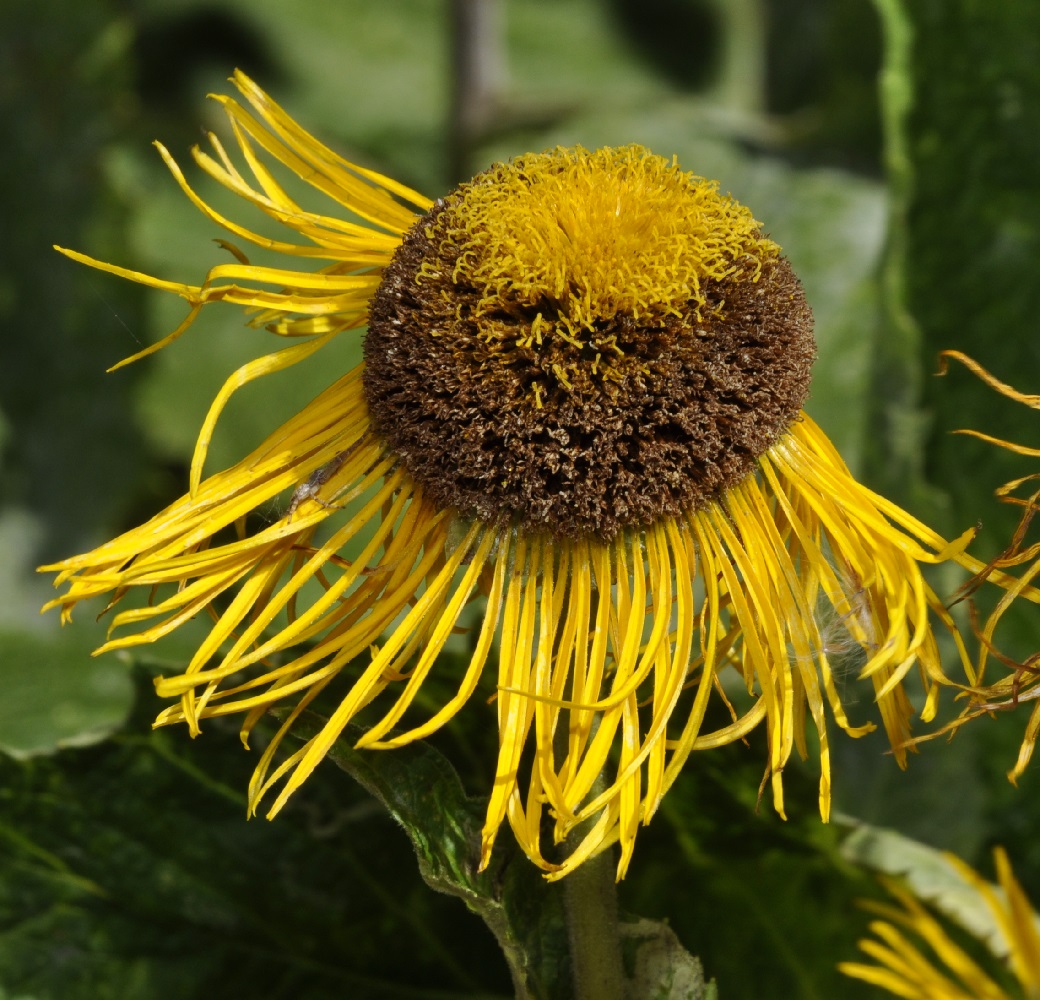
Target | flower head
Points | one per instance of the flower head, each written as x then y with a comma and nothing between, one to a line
917,959
579,411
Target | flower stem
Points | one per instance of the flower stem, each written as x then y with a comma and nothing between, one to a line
478,68
590,902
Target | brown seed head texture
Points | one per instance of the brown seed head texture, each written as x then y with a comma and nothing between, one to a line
609,422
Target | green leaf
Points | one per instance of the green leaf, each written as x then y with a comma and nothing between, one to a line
974,232
931,876
73,455
55,695
421,790
962,153
128,871
658,966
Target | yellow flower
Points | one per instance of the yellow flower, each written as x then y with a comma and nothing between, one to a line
580,411
916,958
1023,683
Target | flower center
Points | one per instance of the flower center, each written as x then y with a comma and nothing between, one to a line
578,342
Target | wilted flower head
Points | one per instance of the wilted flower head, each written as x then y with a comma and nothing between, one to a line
1022,682
916,958
580,410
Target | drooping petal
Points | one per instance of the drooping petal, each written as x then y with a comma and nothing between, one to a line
915,957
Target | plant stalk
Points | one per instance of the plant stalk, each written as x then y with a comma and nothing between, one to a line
591,907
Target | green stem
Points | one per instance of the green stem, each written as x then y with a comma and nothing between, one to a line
478,69
740,85
590,902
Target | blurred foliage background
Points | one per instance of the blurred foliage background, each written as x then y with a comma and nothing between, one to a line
890,147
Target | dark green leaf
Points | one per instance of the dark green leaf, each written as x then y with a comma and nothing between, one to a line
421,790
55,695
128,871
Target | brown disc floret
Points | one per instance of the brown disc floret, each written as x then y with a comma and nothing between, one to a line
568,403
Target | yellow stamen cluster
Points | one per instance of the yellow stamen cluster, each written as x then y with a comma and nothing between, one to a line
570,240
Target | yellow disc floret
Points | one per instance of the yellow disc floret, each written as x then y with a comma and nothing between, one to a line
585,237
